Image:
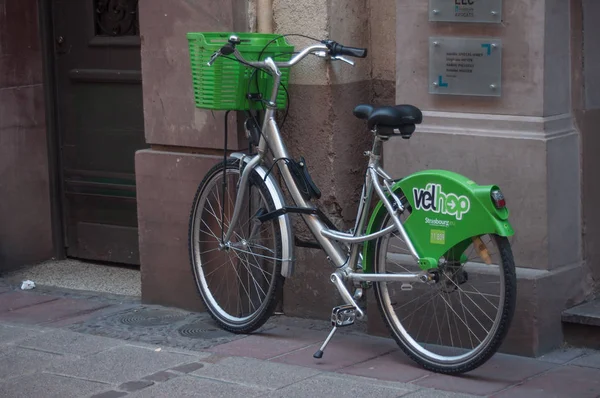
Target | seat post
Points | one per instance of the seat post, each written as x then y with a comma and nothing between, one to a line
377,144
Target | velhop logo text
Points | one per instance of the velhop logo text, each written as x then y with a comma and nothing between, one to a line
434,199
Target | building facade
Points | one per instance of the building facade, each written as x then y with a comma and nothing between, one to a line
102,148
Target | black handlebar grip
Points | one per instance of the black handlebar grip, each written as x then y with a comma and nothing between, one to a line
352,51
336,49
227,49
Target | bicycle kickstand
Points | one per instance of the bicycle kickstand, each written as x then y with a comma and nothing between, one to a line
343,315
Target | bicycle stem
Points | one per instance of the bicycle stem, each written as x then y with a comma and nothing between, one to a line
276,81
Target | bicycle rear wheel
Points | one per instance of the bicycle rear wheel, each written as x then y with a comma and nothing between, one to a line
456,324
239,281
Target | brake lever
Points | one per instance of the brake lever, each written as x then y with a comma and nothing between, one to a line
346,60
324,54
213,58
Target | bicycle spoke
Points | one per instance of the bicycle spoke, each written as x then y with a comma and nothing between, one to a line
259,255
216,269
465,315
240,279
246,265
448,318
421,306
452,309
400,265
473,301
483,295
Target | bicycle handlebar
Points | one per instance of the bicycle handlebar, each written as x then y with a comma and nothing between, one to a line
327,47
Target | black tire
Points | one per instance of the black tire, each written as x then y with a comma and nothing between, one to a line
421,352
245,258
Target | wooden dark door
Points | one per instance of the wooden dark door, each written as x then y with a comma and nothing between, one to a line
101,125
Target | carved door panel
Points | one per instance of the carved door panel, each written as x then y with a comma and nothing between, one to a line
101,125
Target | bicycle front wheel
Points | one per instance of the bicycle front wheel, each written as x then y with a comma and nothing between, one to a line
239,281
457,323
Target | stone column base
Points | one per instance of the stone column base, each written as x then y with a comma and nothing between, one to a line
166,185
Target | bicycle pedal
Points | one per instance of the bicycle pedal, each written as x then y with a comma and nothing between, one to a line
343,315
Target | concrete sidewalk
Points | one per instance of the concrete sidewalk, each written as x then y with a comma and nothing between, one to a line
59,343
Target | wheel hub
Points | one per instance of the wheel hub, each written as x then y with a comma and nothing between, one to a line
452,276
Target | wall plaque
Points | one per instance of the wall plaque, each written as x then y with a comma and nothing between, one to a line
465,66
483,11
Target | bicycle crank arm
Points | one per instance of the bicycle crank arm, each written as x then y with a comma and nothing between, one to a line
339,283
360,277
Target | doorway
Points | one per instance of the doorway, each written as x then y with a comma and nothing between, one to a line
100,125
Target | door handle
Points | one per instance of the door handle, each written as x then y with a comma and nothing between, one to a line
61,48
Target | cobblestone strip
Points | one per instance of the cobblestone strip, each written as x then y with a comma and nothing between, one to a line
147,381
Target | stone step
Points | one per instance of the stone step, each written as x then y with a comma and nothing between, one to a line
581,325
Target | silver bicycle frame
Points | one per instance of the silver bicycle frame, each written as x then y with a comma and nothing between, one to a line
327,238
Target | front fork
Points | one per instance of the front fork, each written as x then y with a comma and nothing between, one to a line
243,182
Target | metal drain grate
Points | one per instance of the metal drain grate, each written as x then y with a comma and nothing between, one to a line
151,317
202,330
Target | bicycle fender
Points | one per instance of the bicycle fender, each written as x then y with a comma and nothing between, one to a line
285,223
446,209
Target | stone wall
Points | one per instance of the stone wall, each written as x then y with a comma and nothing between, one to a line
25,226
184,141
525,141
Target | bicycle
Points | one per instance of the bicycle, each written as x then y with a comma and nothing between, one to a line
419,237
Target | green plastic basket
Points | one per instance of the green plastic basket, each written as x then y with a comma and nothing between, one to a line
225,84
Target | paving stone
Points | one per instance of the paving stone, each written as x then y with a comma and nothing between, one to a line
271,343
189,367
17,361
121,364
257,373
85,317
52,311
341,352
67,342
110,394
48,386
395,366
500,372
189,386
590,361
326,386
562,356
563,382
214,358
15,300
13,334
161,377
131,386
192,355
427,393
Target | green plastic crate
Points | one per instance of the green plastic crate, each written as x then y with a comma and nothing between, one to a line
224,85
